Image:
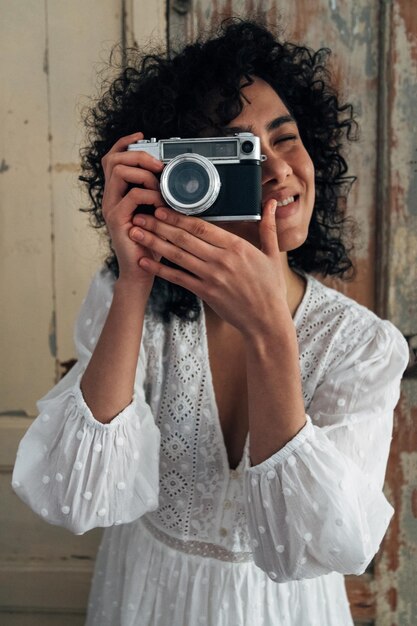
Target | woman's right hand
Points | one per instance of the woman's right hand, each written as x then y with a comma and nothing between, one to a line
121,169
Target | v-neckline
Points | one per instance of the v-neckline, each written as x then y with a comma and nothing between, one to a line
297,316
213,400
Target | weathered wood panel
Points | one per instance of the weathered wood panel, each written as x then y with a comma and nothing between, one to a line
146,23
398,200
76,49
42,567
41,619
50,586
25,212
396,569
50,56
361,594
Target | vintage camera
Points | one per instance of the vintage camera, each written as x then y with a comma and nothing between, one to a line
216,178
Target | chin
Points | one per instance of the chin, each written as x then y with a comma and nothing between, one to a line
291,240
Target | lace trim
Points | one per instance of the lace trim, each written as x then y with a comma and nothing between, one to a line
197,548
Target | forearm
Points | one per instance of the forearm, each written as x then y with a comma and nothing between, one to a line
275,400
108,381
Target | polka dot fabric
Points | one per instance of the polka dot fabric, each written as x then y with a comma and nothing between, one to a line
189,541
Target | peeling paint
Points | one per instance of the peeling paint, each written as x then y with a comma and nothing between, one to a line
46,61
407,575
401,241
414,503
356,29
408,13
402,293
409,468
397,565
52,338
4,166
66,167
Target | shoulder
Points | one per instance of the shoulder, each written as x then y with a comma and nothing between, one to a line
324,306
99,293
341,327
94,310
102,284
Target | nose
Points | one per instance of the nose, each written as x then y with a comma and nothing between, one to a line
275,169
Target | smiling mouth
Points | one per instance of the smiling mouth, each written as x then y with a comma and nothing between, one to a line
286,201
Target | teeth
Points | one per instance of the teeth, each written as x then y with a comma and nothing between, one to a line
286,201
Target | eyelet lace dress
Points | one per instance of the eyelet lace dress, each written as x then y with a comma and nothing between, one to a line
188,541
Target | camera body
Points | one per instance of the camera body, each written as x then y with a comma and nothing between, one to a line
216,178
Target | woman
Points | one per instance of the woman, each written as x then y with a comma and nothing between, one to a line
213,483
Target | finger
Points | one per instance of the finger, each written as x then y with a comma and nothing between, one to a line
122,212
172,275
268,229
181,239
179,256
197,227
123,142
134,158
122,175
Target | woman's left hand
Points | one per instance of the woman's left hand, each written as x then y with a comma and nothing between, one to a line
244,285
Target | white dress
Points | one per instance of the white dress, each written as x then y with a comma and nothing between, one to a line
189,541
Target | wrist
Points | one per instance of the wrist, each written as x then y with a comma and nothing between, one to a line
276,328
127,288
129,302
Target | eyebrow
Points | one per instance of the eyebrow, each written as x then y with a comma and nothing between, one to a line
272,125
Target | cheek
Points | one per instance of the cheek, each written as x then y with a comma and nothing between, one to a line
308,173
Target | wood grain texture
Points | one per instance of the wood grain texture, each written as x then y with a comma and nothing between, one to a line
34,618
25,211
80,38
396,568
146,23
361,594
49,586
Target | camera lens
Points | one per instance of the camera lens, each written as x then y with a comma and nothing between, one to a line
190,183
247,147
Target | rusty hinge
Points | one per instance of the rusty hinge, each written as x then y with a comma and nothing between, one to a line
411,370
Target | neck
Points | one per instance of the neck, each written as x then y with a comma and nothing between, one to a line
296,285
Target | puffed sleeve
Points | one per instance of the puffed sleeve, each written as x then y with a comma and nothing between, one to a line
75,471
317,506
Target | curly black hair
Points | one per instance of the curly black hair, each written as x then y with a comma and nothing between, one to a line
168,94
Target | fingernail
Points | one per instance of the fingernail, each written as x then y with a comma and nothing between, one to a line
138,234
274,207
161,214
139,221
